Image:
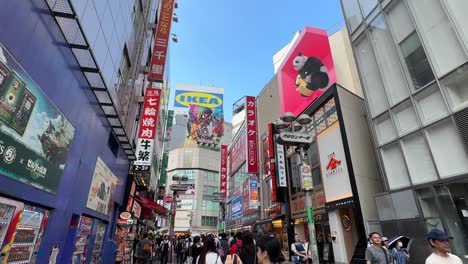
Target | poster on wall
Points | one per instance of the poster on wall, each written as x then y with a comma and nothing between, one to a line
307,72
206,116
35,137
100,198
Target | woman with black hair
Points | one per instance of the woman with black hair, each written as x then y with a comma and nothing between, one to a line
247,251
269,250
196,249
209,253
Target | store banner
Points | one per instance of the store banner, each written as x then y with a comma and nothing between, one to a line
103,186
223,173
266,155
245,198
237,155
237,207
251,119
272,164
161,41
280,159
148,124
35,137
333,164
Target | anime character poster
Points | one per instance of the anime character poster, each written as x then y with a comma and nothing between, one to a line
206,125
35,136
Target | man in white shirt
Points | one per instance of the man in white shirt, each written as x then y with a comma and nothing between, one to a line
439,242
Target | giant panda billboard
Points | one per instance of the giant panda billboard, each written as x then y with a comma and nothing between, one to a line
306,72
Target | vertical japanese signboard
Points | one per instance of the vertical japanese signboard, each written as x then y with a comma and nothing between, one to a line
282,181
252,152
271,162
148,124
253,194
223,173
237,152
161,42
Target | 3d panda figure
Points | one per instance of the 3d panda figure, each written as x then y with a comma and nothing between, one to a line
313,71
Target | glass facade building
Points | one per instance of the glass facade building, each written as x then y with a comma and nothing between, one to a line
412,58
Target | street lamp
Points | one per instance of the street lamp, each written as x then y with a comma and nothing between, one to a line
301,140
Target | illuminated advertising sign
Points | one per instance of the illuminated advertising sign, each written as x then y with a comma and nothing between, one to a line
161,42
206,117
237,155
148,124
252,151
307,72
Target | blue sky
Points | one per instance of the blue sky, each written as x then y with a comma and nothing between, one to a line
231,43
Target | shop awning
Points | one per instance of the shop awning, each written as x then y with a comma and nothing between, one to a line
148,206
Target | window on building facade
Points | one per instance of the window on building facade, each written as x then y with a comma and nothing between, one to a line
416,61
443,137
209,221
457,10
418,157
444,48
430,105
405,118
397,175
387,60
403,31
384,129
370,75
456,86
367,6
428,208
352,13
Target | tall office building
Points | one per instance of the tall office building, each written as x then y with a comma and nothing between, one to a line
412,58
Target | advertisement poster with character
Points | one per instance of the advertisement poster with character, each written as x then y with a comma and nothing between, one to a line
101,193
35,137
306,72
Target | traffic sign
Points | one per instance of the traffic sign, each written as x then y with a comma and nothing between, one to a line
179,187
167,199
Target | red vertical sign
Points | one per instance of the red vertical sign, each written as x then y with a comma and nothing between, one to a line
148,124
161,42
272,163
252,151
223,173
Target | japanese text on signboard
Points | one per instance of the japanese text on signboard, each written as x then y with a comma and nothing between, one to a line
161,42
252,166
223,173
148,124
272,163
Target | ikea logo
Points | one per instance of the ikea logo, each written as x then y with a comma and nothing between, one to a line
198,98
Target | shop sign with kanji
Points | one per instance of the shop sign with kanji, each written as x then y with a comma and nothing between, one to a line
252,160
148,125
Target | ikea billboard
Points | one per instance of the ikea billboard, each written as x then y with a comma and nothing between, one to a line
205,126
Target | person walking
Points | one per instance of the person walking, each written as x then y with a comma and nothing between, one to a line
237,243
377,254
439,242
209,253
144,249
247,251
300,251
165,249
268,250
399,256
196,249
224,246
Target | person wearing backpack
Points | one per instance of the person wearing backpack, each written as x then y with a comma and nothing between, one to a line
224,249
144,249
247,251
165,249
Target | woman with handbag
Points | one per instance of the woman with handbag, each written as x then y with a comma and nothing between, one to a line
209,253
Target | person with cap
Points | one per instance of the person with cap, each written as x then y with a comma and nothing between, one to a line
385,242
439,242
377,254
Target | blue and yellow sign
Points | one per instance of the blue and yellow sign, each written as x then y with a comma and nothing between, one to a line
184,99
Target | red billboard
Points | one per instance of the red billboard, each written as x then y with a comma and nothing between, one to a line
251,118
161,42
237,151
148,124
271,162
223,173
306,72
